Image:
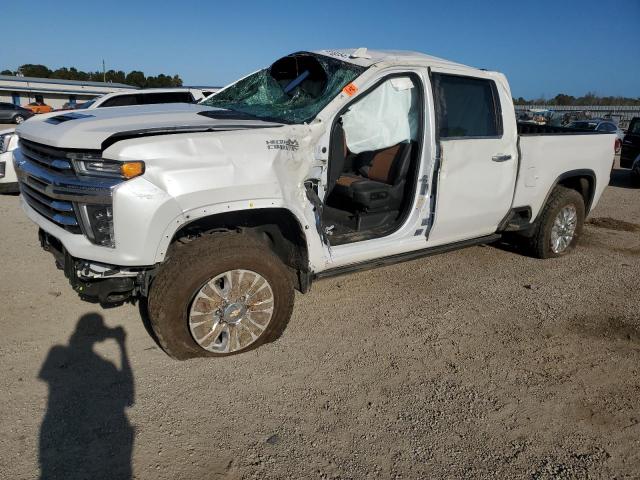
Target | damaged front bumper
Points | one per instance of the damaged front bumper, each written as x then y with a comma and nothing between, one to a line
108,285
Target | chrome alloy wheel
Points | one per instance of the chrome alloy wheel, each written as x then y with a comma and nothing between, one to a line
564,228
231,311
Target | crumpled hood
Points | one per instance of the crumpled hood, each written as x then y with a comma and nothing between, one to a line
88,129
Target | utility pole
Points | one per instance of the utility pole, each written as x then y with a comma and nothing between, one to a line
104,72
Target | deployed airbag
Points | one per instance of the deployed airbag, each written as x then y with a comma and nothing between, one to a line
384,117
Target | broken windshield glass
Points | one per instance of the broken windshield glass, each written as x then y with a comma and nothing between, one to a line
293,90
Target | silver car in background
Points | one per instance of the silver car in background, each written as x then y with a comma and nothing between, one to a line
10,113
600,125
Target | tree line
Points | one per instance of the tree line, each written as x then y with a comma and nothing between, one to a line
586,100
135,78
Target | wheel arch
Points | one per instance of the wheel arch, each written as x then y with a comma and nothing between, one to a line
582,180
279,227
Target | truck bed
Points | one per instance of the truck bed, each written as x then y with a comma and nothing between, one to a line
549,153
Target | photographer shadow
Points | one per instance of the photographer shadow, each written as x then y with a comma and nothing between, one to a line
85,432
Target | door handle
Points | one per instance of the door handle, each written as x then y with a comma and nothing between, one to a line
501,158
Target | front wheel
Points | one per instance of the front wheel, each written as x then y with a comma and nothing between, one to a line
18,119
560,224
220,295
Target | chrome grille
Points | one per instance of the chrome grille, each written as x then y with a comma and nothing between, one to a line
60,212
52,189
49,157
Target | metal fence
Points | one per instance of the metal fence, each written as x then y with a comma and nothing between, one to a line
621,113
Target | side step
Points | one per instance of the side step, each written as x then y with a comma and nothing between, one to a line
404,257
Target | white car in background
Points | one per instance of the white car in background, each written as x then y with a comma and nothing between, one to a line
148,96
123,98
8,179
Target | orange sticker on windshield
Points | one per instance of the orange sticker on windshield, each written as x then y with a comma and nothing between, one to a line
350,89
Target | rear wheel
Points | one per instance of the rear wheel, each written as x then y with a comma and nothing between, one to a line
560,224
18,119
219,295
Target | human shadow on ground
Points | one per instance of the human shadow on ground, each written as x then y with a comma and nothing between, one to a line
85,433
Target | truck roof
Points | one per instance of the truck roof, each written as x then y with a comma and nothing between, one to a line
366,58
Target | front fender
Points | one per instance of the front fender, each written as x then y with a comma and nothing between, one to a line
141,212
305,219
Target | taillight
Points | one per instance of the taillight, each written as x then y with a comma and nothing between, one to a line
617,145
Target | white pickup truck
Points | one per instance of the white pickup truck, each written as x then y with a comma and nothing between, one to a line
323,163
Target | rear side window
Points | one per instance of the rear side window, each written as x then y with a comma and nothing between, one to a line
166,97
607,127
634,128
467,107
120,101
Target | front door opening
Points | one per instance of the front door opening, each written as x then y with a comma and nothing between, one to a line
373,162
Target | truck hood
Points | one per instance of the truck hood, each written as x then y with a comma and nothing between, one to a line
95,129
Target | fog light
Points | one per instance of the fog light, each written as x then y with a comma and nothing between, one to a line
100,218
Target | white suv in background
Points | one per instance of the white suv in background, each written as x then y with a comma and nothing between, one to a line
123,98
149,96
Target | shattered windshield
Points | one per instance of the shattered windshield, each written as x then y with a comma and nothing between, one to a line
292,90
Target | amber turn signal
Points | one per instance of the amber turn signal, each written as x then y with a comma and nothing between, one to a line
131,169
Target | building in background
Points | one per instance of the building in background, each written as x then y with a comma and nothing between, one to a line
52,91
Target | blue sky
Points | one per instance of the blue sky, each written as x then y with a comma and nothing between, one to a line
545,47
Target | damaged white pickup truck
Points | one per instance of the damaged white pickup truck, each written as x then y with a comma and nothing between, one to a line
321,164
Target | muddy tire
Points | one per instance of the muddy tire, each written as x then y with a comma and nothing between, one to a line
230,286
559,226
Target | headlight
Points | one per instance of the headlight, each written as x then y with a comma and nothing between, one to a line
95,165
98,222
5,141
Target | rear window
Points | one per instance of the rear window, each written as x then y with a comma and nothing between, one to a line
634,127
166,97
121,101
467,107
607,127
149,99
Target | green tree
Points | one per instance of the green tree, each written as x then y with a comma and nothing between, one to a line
116,76
34,70
136,78
62,72
562,99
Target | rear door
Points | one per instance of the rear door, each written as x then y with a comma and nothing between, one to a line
477,136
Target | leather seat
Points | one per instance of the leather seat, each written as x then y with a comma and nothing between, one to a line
380,181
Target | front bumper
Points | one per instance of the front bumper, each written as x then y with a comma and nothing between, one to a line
141,213
106,291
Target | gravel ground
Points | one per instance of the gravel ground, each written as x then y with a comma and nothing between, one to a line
478,363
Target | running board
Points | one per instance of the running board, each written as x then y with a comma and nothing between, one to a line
404,257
